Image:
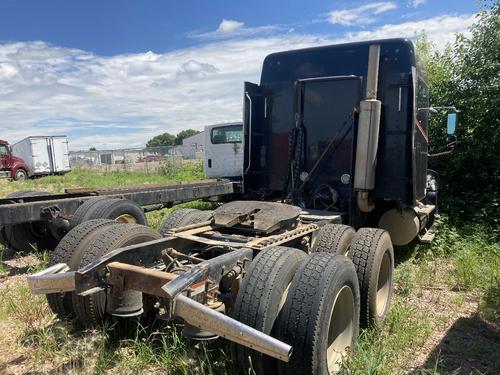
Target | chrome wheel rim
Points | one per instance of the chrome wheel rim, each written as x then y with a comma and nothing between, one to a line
126,218
341,330
383,284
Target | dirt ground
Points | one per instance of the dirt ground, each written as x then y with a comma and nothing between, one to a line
461,341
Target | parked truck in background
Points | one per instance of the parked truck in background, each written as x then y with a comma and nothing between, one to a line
224,150
34,156
10,165
44,155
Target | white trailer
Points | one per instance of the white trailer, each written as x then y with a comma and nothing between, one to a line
44,154
224,150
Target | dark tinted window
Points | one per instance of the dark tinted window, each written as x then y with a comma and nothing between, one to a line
226,134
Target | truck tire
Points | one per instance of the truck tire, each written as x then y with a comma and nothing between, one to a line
20,175
69,251
82,210
175,219
25,237
260,299
198,216
90,310
334,238
122,210
373,256
320,317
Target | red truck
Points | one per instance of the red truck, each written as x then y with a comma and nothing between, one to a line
11,166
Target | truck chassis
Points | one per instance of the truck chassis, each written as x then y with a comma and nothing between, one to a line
197,271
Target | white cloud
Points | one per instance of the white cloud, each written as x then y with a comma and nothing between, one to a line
441,29
229,26
234,29
124,100
416,3
361,15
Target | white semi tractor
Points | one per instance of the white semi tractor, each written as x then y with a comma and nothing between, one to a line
224,150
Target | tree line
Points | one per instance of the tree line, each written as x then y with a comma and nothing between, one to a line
467,75
167,139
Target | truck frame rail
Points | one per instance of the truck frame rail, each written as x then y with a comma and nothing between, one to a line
38,208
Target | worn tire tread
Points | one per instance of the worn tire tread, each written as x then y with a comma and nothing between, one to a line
173,220
300,323
333,238
362,253
91,310
256,303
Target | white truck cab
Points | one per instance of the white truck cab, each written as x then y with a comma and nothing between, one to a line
224,150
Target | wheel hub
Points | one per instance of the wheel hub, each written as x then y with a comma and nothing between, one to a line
126,218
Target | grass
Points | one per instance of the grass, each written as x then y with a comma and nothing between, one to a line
87,178
457,277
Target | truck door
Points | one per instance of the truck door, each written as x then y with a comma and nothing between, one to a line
60,154
256,138
40,155
224,151
4,157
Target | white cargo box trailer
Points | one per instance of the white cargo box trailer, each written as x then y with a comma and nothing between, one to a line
44,155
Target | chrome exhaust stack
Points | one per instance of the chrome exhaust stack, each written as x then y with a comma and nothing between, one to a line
368,133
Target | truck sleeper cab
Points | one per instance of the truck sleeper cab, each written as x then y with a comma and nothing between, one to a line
302,124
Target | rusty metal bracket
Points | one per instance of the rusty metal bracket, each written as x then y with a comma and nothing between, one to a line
209,269
126,276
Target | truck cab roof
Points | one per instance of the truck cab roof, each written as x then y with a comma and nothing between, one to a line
336,60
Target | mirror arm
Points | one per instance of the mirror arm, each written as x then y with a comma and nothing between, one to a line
440,154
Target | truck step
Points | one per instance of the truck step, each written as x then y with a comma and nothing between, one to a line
425,210
428,237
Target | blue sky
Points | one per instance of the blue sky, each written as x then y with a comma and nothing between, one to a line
115,73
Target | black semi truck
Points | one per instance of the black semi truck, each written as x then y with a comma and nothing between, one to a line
344,128
335,142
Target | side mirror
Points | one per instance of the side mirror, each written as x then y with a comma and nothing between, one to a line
452,123
451,142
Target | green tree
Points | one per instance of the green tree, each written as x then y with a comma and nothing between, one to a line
92,149
165,139
185,134
467,75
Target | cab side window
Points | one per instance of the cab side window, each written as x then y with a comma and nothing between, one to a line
226,134
3,149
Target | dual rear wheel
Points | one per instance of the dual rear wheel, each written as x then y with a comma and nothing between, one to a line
84,243
310,302
371,251
315,303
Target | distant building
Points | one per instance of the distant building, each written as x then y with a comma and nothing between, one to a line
192,147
